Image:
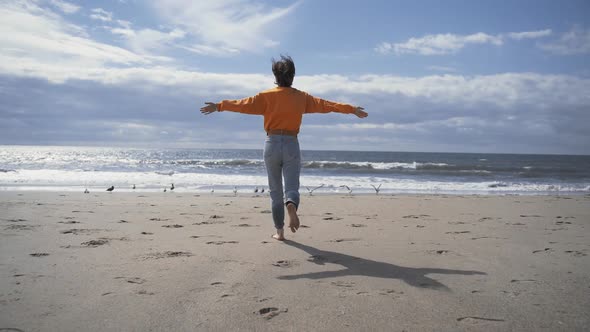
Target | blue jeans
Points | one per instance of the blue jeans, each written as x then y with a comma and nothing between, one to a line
283,160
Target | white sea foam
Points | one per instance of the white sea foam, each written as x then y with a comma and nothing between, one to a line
198,182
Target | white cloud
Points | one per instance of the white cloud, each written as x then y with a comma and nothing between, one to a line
65,7
145,40
441,44
225,25
210,50
437,44
575,41
38,44
33,37
530,34
101,15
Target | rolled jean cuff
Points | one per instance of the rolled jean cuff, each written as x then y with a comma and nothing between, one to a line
292,202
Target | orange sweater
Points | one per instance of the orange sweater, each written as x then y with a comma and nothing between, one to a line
283,107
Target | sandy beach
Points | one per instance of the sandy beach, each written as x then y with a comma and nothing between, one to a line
188,262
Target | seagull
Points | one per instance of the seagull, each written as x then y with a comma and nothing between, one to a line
172,188
348,188
164,189
212,189
262,191
111,188
235,191
376,188
86,191
134,187
312,190
256,190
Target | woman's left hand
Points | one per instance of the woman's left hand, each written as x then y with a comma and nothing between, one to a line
210,108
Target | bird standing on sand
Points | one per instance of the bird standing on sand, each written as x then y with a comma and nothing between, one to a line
86,191
262,190
376,188
165,189
235,191
111,188
172,188
256,190
133,186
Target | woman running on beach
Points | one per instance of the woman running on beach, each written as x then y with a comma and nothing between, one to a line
283,108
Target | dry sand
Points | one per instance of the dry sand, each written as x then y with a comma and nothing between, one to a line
185,262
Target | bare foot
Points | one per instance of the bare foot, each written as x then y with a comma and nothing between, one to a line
293,218
280,235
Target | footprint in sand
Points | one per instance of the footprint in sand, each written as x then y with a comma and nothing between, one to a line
144,292
413,216
147,233
78,231
133,280
543,250
523,280
39,254
16,220
245,225
391,292
167,254
270,312
576,253
439,252
173,226
68,222
358,225
21,227
458,232
345,240
95,243
159,219
343,284
477,320
220,242
210,222
284,263
563,222
318,259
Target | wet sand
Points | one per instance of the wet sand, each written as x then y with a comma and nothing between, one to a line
186,262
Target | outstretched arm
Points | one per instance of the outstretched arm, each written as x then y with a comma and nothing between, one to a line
318,105
250,105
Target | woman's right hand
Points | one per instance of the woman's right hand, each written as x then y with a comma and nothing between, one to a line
359,111
209,108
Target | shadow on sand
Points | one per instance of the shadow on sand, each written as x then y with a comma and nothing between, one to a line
365,267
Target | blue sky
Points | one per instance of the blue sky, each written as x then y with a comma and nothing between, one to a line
444,76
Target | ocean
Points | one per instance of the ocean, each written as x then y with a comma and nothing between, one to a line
223,171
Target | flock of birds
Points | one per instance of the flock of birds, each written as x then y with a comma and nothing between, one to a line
256,190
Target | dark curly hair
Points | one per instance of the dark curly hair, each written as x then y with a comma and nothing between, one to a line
284,71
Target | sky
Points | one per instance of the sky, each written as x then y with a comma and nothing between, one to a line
483,76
